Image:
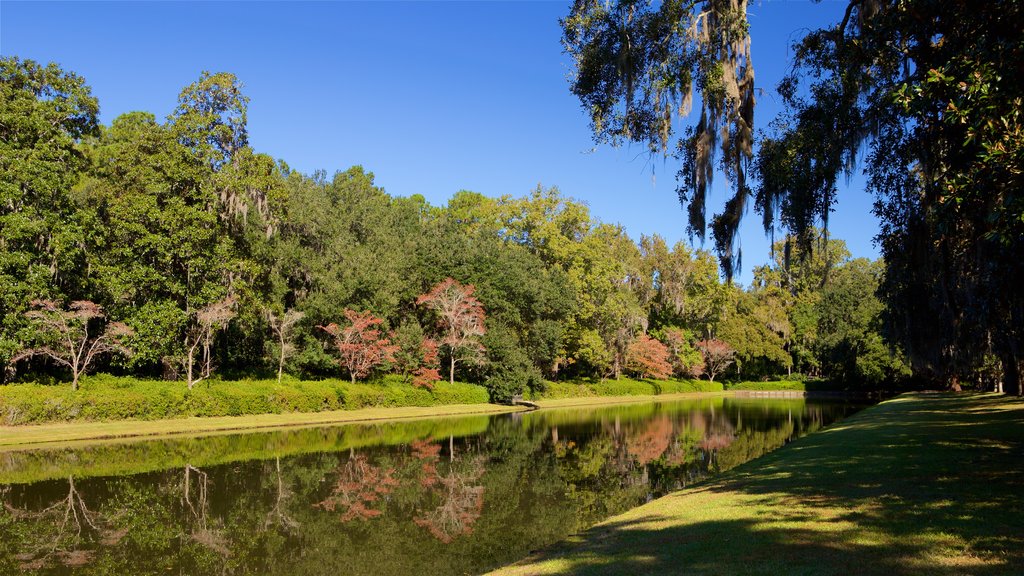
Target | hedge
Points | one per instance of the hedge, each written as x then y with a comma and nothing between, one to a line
106,397
622,387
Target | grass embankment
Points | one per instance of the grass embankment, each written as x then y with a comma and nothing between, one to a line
921,484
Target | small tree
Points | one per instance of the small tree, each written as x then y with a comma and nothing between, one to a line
718,355
64,335
204,325
648,358
685,359
282,327
360,343
427,373
461,319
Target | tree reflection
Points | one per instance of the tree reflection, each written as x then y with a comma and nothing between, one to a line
359,488
461,498
63,532
198,506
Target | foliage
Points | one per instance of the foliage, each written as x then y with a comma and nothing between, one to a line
110,398
648,358
63,336
636,67
460,318
360,344
718,355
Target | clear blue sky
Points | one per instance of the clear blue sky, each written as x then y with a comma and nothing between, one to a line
432,97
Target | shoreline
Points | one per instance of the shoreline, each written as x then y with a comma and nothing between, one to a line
906,486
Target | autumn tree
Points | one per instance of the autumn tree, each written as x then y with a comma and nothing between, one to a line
64,336
460,318
718,355
361,344
648,358
282,325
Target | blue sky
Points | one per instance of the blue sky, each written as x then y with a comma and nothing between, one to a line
432,97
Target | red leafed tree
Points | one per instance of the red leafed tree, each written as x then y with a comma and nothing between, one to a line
718,355
70,337
359,487
361,344
427,373
461,319
648,358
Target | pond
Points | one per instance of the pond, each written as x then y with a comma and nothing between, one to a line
431,497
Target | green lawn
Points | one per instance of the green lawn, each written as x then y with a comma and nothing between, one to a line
921,484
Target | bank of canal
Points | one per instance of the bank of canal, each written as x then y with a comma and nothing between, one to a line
919,484
434,496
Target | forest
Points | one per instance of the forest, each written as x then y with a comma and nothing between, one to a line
170,249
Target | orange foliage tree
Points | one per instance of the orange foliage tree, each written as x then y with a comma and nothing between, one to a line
361,344
648,358
461,319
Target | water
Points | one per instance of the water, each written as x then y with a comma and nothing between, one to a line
427,497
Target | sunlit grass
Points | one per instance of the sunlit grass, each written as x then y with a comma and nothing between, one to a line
921,484
25,437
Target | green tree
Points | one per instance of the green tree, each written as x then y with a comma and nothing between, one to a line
45,113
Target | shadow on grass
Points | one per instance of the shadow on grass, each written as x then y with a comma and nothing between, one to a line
923,484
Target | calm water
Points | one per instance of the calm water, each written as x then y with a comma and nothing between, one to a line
431,497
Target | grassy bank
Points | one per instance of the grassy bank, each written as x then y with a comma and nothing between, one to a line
921,484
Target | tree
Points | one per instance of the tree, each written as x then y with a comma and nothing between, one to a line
636,67
718,356
416,355
45,113
461,319
648,358
932,92
199,336
64,336
282,326
360,344
684,358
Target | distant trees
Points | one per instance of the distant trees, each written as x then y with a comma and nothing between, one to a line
71,337
158,220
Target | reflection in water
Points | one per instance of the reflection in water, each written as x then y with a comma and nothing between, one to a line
447,496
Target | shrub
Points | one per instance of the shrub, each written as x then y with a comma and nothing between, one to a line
106,397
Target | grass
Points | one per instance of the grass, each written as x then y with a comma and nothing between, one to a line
27,437
920,484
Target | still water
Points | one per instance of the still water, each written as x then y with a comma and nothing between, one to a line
426,497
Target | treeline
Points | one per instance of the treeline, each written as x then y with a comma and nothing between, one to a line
172,249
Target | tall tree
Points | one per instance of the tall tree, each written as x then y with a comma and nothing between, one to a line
45,113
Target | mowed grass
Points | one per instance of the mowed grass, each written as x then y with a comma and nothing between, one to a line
920,484
25,437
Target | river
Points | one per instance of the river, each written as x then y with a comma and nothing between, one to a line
422,498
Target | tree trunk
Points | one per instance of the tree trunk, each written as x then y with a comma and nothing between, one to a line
1013,377
451,371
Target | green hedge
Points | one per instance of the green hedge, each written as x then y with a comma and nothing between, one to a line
772,385
622,387
113,398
